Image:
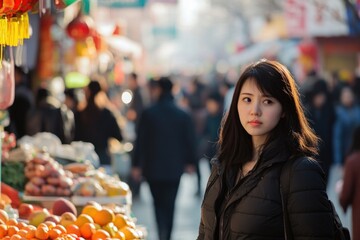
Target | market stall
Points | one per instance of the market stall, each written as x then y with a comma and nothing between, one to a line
59,191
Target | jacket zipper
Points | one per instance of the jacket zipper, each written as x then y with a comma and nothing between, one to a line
229,197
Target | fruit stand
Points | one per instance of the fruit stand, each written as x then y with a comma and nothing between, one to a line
62,201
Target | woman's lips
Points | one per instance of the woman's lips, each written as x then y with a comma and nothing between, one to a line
255,123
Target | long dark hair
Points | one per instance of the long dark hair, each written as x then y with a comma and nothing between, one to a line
292,132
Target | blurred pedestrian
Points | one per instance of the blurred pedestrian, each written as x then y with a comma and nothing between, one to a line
321,116
196,96
136,106
350,194
50,114
264,128
213,119
347,118
23,102
97,124
164,149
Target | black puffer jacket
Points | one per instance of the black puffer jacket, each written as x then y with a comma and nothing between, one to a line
254,210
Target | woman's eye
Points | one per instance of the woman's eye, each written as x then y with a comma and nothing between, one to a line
246,99
268,101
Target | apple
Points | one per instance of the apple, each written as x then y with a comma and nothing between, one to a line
38,217
62,205
25,210
67,218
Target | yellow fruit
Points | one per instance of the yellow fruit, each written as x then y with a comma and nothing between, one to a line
110,228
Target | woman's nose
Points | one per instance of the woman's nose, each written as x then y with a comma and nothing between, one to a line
255,109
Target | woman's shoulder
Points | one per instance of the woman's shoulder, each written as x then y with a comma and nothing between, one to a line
305,163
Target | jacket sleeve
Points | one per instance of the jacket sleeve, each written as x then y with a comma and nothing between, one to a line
309,209
346,194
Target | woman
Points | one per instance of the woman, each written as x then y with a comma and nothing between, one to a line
350,194
264,128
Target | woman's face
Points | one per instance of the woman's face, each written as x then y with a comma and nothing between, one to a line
259,113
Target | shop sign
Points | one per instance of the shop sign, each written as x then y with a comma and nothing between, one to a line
315,18
122,3
326,18
295,15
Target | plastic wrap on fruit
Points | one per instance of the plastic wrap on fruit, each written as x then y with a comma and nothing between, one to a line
7,84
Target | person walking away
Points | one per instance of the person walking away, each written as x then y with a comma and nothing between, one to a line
350,193
164,149
321,116
347,118
97,124
265,128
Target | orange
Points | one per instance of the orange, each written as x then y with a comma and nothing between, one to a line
12,222
73,229
4,216
61,228
91,210
100,234
54,233
130,233
21,225
87,230
42,232
12,230
30,233
121,220
82,219
16,237
50,224
3,230
22,233
104,216
119,235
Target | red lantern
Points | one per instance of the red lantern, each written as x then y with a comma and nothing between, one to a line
80,27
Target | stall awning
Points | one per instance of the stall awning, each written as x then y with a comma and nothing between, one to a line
124,46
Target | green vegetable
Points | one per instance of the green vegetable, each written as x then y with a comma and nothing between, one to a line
12,173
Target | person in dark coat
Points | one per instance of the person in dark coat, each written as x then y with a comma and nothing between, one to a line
50,115
321,115
350,193
164,149
97,123
264,128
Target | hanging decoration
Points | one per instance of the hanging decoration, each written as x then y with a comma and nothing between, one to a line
14,22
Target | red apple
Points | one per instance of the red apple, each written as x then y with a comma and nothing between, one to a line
25,210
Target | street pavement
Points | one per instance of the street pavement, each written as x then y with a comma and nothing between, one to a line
187,212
